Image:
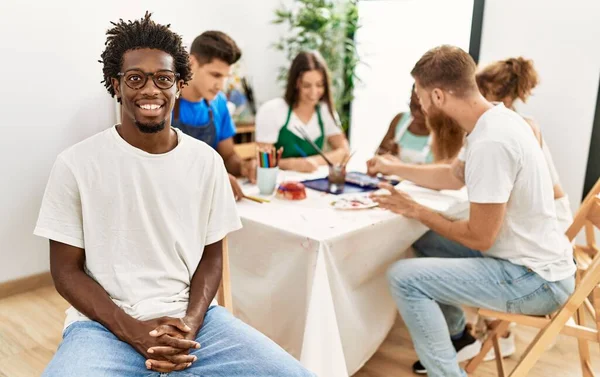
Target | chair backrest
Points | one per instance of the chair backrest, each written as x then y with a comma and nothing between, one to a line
245,150
587,217
224,297
581,215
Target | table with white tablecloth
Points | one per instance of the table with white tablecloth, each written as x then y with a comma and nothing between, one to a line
312,278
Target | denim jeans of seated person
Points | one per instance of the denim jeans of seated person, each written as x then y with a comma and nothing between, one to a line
430,291
228,348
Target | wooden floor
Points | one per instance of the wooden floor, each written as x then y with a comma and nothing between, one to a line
31,324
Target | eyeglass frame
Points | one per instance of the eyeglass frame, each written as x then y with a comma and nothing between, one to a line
146,75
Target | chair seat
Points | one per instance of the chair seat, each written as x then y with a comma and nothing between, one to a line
570,318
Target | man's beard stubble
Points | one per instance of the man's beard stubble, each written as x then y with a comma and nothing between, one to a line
150,128
448,135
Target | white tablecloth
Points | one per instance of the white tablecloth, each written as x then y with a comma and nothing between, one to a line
312,278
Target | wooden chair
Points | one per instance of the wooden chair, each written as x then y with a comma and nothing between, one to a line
245,150
224,297
568,320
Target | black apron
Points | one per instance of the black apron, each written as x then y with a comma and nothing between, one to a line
206,132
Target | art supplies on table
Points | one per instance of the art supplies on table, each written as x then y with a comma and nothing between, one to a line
291,191
322,184
306,137
365,180
353,202
355,183
257,199
269,157
268,169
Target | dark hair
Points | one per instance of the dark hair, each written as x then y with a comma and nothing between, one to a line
215,45
513,78
304,62
138,34
414,105
448,68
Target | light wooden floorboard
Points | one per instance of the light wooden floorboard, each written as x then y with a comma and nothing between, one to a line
31,325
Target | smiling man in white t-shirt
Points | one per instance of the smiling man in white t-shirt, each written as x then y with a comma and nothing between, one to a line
510,255
136,216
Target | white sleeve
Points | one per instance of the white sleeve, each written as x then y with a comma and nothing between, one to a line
223,218
268,122
462,154
60,217
330,124
490,172
550,163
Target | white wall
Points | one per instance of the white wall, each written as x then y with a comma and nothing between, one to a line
51,96
562,37
392,37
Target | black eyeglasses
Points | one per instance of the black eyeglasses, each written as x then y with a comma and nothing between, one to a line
136,79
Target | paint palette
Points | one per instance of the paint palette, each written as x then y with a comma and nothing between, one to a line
353,202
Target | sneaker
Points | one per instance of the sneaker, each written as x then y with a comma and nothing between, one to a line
466,348
507,348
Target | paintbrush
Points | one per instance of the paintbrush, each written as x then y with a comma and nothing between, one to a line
319,151
347,159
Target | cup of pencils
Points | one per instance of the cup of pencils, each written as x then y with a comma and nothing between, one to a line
268,169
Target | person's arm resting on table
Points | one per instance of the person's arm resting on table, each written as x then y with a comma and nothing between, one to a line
432,176
490,173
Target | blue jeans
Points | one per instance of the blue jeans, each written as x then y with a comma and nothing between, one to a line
228,348
429,293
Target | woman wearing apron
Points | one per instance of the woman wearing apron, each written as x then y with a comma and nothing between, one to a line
307,104
408,138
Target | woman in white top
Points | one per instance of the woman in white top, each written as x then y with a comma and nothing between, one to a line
308,104
508,81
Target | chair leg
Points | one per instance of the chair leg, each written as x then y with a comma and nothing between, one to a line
500,329
499,362
584,350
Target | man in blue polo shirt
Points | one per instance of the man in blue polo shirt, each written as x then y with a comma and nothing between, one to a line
201,111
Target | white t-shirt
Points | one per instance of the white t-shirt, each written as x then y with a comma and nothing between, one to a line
505,164
271,117
564,215
143,219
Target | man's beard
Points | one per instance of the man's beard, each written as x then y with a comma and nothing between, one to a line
448,135
150,128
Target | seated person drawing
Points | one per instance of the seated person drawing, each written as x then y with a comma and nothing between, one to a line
408,138
202,111
508,81
511,244
308,104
